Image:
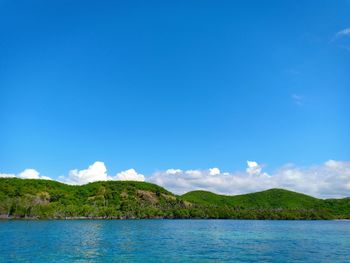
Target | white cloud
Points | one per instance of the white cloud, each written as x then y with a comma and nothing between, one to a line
253,168
98,172
214,171
335,164
129,175
95,172
213,180
193,173
7,175
173,171
331,179
344,32
27,174
342,39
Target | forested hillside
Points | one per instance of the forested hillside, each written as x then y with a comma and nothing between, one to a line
30,198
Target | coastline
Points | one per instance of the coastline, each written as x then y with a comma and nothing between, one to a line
73,218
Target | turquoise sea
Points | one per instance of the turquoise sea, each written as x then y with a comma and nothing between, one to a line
174,241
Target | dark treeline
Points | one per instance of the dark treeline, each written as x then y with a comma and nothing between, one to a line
44,199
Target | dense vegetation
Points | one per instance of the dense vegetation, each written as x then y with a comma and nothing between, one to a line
29,198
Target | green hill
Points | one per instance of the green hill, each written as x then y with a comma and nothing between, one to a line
30,198
110,199
273,198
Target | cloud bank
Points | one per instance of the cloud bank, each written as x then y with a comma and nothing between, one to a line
328,180
26,174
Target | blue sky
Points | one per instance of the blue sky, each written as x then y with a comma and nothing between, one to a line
153,85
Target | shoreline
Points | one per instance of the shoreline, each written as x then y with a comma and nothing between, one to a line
76,218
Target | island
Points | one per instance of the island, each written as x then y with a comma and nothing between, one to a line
46,199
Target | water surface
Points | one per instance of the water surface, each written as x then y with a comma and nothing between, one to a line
174,241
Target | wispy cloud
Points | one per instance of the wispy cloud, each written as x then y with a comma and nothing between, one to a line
344,32
342,39
297,99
